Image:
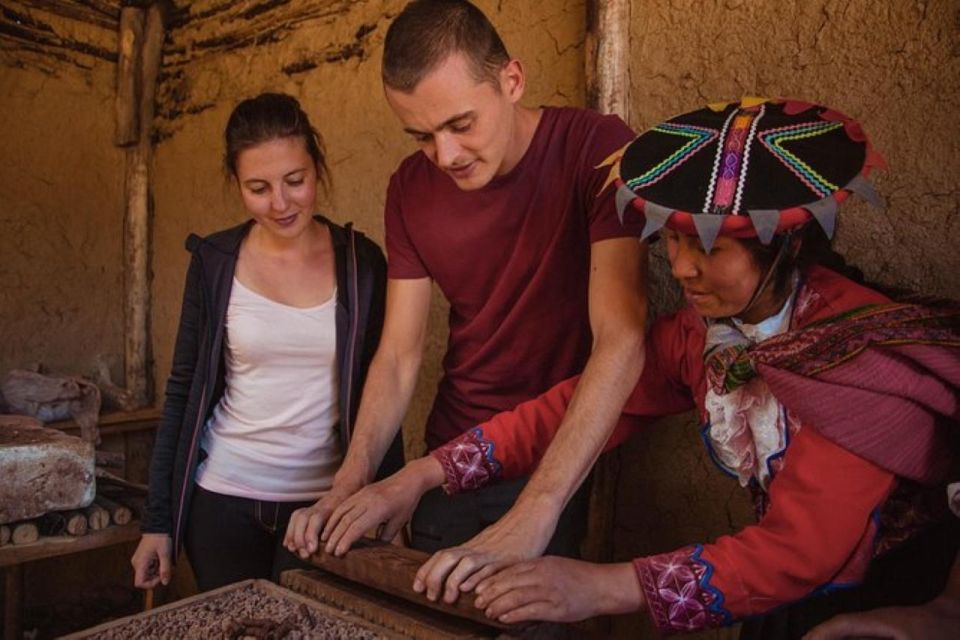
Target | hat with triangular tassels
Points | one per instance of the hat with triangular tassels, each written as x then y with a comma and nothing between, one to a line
749,169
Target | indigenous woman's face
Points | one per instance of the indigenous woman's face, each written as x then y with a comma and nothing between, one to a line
278,185
718,284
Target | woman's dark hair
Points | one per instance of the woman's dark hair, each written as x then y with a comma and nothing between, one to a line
267,117
814,249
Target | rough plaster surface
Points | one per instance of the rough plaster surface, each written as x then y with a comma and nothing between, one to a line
61,183
895,66
338,47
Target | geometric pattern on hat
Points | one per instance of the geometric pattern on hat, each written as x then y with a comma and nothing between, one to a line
762,166
696,138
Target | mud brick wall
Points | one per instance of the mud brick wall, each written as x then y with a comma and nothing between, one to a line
61,189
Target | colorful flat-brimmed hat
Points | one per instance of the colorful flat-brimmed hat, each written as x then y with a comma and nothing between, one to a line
753,168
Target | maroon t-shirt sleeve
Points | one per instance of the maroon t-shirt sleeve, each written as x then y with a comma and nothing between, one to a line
403,261
610,134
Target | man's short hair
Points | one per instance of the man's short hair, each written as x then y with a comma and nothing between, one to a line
427,32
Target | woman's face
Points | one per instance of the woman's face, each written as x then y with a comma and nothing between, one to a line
278,185
718,284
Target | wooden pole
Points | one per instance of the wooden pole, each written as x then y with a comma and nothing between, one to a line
607,57
137,218
128,77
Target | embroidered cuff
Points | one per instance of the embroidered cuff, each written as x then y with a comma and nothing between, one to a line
468,462
677,589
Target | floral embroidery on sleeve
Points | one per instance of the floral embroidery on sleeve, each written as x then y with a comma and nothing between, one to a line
678,592
468,462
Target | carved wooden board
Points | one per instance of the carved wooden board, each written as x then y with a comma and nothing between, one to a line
391,569
397,614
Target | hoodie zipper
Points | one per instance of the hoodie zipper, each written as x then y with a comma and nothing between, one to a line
193,444
351,346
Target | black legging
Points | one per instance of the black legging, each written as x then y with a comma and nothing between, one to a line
229,539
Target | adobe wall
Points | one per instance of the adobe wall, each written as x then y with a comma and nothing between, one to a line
61,195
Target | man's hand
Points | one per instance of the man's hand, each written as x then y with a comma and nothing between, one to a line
303,530
152,560
389,502
523,533
559,590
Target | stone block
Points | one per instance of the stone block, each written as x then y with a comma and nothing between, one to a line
42,469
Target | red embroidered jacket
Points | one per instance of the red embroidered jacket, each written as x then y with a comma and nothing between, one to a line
819,528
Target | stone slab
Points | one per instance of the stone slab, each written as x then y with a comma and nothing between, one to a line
42,469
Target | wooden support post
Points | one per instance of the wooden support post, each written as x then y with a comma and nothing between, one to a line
128,77
137,218
607,57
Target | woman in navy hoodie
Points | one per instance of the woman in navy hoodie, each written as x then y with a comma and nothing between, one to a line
281,316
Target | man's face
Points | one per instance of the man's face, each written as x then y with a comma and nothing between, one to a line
464,126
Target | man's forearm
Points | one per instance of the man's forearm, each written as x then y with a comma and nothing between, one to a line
607,381
386,396
618,312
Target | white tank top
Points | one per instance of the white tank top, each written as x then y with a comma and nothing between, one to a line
273,436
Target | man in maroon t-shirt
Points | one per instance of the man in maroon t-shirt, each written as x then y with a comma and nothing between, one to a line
505,208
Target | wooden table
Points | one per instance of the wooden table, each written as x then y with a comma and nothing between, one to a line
116,430
13,557
52,546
